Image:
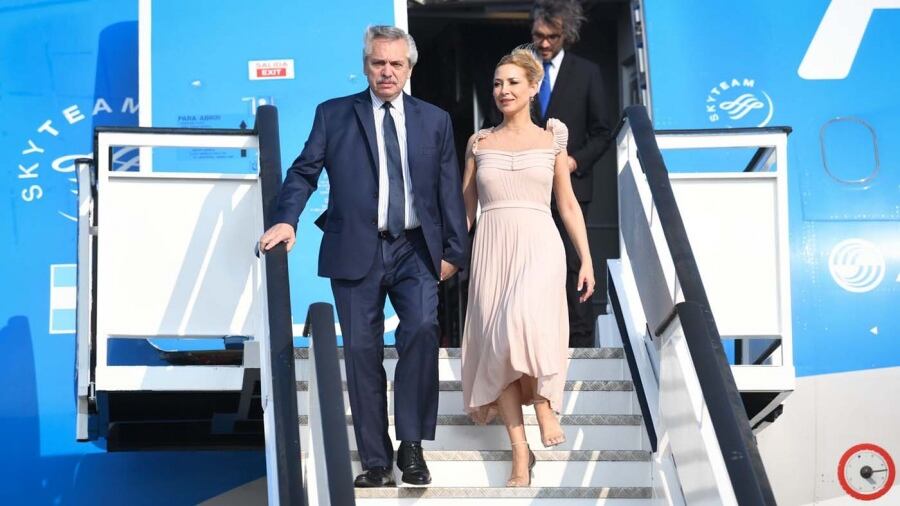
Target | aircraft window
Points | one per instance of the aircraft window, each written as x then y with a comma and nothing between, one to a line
845,144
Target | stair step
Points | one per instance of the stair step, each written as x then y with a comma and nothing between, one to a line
539,455
583,432
581,402
592,493
571,386
574,353
494,437
584,363
557,468
546,474
508,501
528,420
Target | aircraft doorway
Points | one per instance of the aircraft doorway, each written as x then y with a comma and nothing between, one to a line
459,44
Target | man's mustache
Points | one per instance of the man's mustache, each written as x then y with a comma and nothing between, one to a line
386,81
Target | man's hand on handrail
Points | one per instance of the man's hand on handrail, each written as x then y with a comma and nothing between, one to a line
278,233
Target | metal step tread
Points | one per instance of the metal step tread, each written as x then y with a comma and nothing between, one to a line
528,419
574,353
539,455
571,386
506,492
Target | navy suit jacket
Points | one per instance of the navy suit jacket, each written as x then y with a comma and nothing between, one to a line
343,141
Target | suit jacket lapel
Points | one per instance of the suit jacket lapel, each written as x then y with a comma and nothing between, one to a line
559,86
363,106
414,129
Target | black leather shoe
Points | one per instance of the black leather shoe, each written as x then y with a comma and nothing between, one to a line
411,461
375,477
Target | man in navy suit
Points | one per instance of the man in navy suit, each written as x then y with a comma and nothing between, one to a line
395,226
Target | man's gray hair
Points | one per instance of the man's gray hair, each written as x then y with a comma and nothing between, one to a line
568,13
389,33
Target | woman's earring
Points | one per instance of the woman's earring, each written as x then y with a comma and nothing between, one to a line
532,98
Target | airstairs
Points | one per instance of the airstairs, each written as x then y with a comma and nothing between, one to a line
694,356
606,459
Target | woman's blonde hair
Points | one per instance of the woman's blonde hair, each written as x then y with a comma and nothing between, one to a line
524,58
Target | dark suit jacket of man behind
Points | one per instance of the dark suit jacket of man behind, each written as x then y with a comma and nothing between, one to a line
578,100
343,141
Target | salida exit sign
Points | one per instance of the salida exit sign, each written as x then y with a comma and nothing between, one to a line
271,69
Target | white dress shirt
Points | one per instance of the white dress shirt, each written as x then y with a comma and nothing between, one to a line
554,67
411,219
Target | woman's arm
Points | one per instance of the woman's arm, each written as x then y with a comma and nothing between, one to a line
469,189
573,219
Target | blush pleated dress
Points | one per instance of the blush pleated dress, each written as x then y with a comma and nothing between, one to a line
517,319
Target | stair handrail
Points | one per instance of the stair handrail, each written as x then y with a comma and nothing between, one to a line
738,447
288,484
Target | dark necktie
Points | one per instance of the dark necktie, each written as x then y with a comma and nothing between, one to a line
396,219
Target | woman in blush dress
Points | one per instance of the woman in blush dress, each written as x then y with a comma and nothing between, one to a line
515,341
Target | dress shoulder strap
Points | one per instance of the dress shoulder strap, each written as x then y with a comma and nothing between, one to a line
481,134
560,133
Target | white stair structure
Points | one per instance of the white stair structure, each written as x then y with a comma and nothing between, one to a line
168,252
660,413
605,460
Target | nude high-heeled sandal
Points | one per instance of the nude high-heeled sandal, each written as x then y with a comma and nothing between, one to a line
518,481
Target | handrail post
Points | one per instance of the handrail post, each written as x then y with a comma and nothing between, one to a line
631,360
335,447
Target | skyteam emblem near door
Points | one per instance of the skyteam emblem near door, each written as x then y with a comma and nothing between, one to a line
739,103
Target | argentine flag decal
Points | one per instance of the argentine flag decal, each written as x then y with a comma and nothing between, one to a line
62,298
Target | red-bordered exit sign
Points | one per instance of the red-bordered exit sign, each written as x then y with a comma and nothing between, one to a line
270,69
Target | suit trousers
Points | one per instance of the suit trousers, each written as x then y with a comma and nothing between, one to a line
401,270
581,314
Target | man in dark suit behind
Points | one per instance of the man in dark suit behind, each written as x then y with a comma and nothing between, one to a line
572,91
395,226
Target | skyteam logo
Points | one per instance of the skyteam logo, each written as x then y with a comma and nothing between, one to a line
738,103
856,265
50,151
